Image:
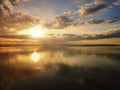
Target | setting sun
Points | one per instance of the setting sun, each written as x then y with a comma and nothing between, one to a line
36,32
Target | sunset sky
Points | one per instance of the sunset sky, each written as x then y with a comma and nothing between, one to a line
59,22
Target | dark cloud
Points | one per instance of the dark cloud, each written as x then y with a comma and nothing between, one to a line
59,22
104,35
70,12
16,36
5,8
85,10
62,21
67,19
113,20
92,8
117,2
100,21
14,2
96,21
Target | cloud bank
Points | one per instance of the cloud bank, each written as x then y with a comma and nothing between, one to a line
103,35
10,21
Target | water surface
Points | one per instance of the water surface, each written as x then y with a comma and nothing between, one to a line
60,68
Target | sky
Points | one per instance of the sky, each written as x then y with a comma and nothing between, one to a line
60,21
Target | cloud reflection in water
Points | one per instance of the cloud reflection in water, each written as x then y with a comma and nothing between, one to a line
59,67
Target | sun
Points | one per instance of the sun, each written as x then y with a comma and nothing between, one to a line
36,32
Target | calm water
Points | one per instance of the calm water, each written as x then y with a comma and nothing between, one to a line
60,68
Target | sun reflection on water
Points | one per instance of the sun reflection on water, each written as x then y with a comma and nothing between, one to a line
35,57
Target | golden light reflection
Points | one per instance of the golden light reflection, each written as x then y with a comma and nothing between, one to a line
35,57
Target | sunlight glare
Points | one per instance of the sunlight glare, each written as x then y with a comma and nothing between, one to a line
36,32
35,57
